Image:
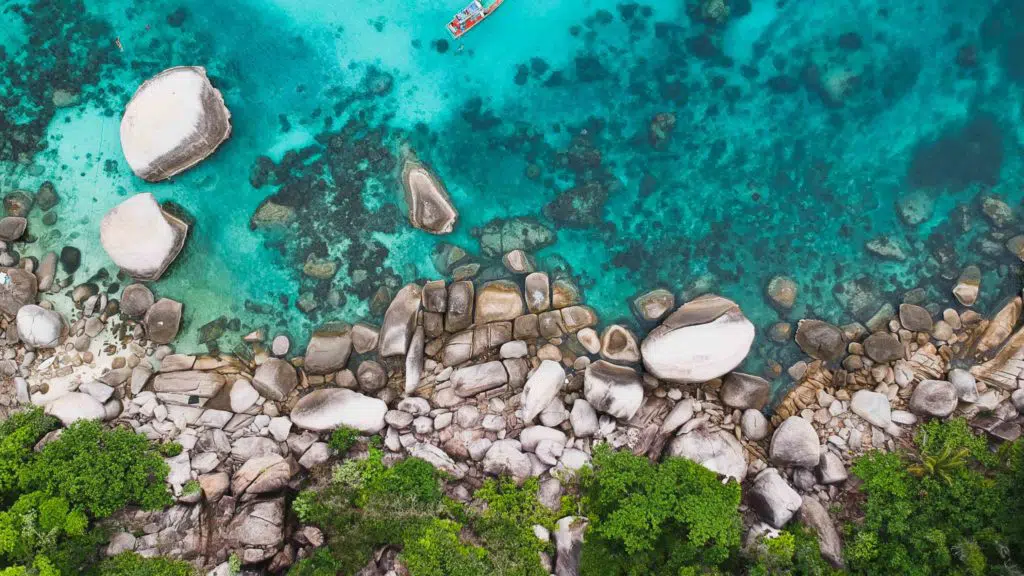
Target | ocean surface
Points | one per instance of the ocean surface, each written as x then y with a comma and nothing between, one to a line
692,145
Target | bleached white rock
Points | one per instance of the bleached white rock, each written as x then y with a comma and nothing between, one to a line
141,238
332,408
174,121
39,327
542,388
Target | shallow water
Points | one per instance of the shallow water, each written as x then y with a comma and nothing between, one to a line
798,128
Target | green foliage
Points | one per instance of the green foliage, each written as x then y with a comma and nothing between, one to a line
343,439
191,487
506,525
437,550
645,518
934,511
131,564
49,498
170,449
794,552
1010,484
234,564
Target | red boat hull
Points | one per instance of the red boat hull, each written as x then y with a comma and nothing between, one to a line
458,28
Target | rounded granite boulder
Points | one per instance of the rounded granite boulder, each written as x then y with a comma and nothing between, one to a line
141,238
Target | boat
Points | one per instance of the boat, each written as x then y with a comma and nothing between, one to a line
473,14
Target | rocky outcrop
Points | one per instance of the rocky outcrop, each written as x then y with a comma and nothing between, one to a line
333,408
497,301
328,350
142,238
174,121
400,321
703,339
430,207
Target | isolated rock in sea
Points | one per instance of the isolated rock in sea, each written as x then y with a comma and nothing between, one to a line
141,238
795,443
18,288
39,327
718,451
332,408
820,340
430,207
782,291
545,384
174,121
704,339
12,228
75,406
653,305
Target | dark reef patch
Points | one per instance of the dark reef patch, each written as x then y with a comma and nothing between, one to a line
960,157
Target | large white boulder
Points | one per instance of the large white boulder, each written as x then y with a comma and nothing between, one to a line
545,384
613,389
704,339
174,121
141,238
718,451
75,406
39,327
332,408
430,207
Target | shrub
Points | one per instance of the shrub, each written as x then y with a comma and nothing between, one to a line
343,439
18,434
131,564
794,552
437,550
645,518
935,510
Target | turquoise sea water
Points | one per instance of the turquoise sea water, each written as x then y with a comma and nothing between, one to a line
796,130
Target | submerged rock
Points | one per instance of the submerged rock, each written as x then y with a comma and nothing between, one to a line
430,207
704,339
820,340
174,121
141,238
653,305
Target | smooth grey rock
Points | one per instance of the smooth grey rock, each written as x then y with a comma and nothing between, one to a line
820,340
754,425
332,408
38,327
400,321
430,207
532,435
718,451
616,390
136,300
745,391
12,228
873,407
17,288
816,517
541,388
364,338
318,453
414,359
75,406
371,376
258,524
242,395
262,474
328,350
505,458
883,347
703,339
583,419
795,443
141,238
569,533
965,383
652,306
774,500
472,380
936,398
459,315
681,413
163,320
437,458
915,318
831,469
174,121
275,379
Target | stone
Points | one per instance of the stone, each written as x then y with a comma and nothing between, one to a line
619,344
831,469
615,390
505,458
75,406
754,425
541,388
564,293
936,398
1018,399
142,238
400,321
774,500
279,428
275,379
1000,327
257,524
915,318
435,296
716,450
174,120
745,391
163,320
328,350
437,458
681,413
318,453
38,327
517,262
514,349
332,408
430,207
538,292
47,271
915,207
530,437
816,517
497,301
262,474
583,419
472,380
652,306
189,382
371,376
820,340
887,247
12,228
18,288
968,286
782,292
965,383
795,443
364,338
575,318
280,345
872,407
136,300
120,542
903,417
704,339
398,419
459,314
883,347
569,534
414,360
97,390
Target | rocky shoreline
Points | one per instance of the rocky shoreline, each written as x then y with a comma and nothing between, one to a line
506,377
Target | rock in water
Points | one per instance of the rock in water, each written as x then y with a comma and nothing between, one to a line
163,320
704,339
39,327
174,121
332,408
430,207
820,340
141,238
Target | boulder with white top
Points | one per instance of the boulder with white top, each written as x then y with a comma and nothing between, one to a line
39,327
704,339
613,389
75,406
333,408
142,238
716,450
430,207
174,121
542,388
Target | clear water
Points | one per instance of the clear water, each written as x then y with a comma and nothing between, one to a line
799,127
